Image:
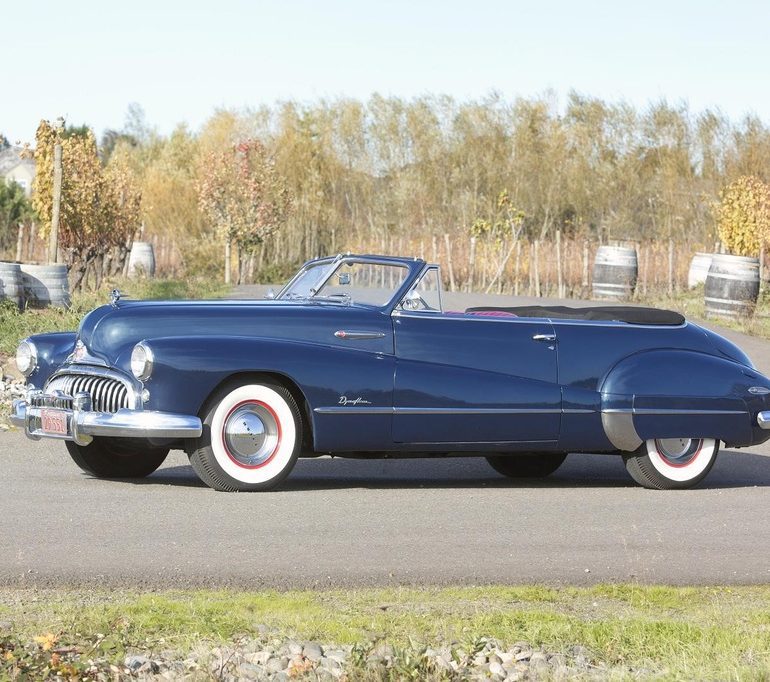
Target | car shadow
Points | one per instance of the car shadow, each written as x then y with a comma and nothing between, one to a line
733,469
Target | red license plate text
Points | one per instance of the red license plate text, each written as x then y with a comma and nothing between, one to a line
54,421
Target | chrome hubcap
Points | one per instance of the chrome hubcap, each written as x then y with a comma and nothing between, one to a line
677,450
251,434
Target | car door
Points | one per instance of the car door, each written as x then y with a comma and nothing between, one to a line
465,379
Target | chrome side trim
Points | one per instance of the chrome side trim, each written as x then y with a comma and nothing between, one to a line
619,428
446,410
351,335
353,410
652,411
475,410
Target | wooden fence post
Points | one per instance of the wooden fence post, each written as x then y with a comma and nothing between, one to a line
518,265
471,264
559,265
53,241
670,266
228,260
20,243
448,245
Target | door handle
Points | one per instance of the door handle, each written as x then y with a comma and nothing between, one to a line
357,335
550,338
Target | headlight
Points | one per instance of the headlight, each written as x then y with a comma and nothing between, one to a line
142,361
26,357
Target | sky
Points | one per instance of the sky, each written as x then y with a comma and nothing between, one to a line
87,60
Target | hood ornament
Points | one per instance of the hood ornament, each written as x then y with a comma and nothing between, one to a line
115,297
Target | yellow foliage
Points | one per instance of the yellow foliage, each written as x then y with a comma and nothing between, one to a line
47,641
743,216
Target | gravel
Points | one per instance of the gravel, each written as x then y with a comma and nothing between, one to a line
276,660
10,389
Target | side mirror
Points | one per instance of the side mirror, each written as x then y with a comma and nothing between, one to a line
411,301
270,294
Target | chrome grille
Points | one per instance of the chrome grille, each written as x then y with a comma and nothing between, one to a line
107,394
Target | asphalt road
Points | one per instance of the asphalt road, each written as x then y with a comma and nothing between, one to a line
351,522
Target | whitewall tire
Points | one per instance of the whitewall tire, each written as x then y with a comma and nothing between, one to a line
672,463
251,438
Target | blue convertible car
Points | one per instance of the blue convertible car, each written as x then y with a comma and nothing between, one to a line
357,357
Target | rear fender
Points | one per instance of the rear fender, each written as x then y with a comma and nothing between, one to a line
672,393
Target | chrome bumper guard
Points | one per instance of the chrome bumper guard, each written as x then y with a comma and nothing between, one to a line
82,424
763,420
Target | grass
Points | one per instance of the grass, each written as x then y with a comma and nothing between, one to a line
691,304
16,325
676,633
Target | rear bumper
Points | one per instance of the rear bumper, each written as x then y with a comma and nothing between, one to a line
80,424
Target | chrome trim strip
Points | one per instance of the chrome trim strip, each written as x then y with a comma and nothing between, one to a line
447,410
353,410
474,410
357,335
644,411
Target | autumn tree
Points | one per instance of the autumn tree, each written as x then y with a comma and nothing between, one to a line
244,197
99,207
743,216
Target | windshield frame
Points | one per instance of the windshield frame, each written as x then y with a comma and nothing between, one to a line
414,268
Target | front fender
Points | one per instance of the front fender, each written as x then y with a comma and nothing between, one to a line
670,393
188,369
52,350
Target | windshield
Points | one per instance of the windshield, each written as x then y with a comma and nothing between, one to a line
349,281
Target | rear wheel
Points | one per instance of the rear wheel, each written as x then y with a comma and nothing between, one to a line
117,458
672,463
527,466
251,439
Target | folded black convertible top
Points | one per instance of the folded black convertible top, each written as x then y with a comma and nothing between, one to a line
630,314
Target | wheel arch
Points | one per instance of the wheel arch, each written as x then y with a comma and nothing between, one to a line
240,378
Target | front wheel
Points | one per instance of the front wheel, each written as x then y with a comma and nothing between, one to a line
537,465
672,463
251,439
117,458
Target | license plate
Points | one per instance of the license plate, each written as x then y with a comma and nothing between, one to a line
54,421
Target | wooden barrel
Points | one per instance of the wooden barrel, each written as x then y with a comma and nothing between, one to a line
732,286
45,285
141,261
699,269
616,269
10,283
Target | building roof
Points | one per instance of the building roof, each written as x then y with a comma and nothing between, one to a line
10,158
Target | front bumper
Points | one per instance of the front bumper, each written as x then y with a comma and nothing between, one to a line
763,420
80,424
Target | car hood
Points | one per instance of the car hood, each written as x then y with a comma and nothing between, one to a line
109,331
